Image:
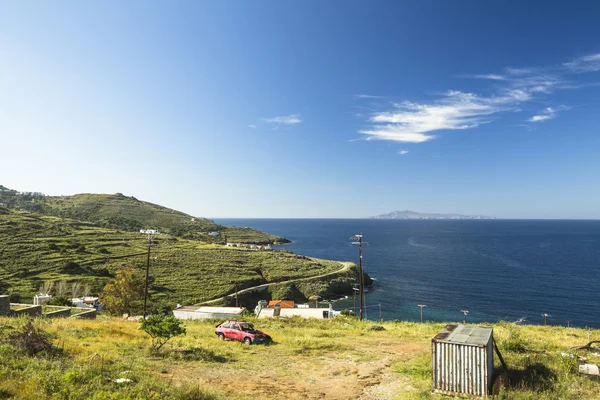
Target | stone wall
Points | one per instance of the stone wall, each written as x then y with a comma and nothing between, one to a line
4,305
91,314
64,313
31,310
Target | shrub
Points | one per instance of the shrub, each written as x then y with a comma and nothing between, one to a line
161,329
376,328
59,301
31,340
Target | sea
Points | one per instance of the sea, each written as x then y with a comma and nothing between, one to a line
495,269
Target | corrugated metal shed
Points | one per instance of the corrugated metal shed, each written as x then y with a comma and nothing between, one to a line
463,360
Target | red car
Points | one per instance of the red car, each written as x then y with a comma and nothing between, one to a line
242,331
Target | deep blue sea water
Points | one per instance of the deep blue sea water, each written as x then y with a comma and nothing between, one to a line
496,269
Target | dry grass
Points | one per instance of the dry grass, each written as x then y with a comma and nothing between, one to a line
310,359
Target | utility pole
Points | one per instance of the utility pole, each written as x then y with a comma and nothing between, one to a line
354,292
150,233
236,296
421,307
546,316
568,323
380,318
465,312
358,241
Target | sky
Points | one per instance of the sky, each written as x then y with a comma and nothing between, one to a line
306,109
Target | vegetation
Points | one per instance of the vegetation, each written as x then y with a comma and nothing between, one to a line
38,251
130,214
338,359
124,293
161,329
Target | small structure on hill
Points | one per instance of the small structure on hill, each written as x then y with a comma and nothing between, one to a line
288,308
463,360
195,312
86,301
41,298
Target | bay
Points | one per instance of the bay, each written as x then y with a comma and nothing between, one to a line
495,269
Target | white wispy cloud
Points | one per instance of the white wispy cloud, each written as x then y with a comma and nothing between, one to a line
252,126
589,63
547,113
511,90
413,123
368,96
403,152
291,119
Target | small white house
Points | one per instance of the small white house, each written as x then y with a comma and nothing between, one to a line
87,301
304,312
213,234
41,298
194,312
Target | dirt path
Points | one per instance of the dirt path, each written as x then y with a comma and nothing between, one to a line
346,266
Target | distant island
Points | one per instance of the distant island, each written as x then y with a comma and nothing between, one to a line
416,215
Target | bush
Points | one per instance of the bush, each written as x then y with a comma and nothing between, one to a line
59,301
162,329
376,328
31,340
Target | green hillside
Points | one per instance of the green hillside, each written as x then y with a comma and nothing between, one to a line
37,248
130,214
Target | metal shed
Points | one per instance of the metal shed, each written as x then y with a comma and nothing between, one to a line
463,360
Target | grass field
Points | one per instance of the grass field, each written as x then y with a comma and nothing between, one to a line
35,249
310,359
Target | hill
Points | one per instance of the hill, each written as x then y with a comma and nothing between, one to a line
35,249
128,213
335,359
416,215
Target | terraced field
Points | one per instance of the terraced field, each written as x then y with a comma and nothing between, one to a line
35,249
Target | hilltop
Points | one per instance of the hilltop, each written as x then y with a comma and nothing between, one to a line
336,359
130,214
416,215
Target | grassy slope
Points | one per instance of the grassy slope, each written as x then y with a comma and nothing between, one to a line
336,359
35,248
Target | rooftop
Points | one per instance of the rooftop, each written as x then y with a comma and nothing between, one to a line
463,334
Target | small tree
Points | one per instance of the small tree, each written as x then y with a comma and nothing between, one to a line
161,329
75,289
61,289
124,293
47,287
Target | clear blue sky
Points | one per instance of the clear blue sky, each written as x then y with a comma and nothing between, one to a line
306,108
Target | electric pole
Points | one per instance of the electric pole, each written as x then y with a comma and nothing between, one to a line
546,316
465,312
361,279
421,307
150,233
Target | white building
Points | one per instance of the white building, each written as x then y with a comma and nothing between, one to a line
194,312
41,298
299,310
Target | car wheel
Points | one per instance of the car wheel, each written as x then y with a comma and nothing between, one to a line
221,336
247,341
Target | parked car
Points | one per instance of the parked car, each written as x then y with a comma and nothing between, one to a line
242,331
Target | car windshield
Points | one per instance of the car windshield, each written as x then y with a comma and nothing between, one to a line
246,327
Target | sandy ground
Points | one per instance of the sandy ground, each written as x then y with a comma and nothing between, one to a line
336,377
